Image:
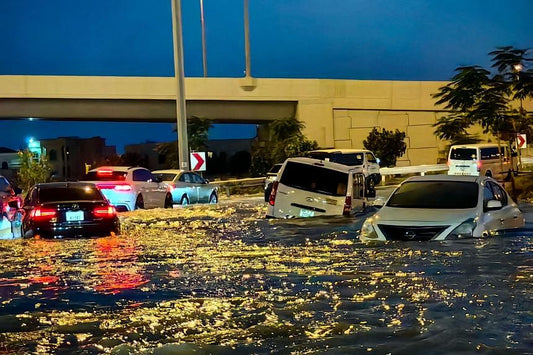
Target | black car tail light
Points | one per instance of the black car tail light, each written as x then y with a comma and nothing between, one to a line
43,214
104,211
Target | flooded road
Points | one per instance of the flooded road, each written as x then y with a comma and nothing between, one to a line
222,279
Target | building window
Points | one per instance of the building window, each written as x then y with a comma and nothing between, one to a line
53,155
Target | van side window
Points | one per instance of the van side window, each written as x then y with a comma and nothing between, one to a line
489,153
371,158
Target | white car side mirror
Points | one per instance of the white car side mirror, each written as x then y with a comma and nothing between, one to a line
378,202
494,205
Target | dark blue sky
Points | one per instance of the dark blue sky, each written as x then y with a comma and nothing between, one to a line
350,39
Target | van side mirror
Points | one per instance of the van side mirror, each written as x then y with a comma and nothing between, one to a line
17,190
493,205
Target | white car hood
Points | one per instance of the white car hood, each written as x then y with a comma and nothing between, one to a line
422,216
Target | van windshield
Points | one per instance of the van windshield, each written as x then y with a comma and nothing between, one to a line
315,178
463,154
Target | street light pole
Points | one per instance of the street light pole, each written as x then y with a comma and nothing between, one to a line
204,51
181,114
247,39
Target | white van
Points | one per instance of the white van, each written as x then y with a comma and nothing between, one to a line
308,187
480,160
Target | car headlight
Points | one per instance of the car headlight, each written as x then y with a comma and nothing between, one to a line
464,230
368,231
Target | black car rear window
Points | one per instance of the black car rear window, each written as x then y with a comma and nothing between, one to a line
106,176
77,193
315,178
435,195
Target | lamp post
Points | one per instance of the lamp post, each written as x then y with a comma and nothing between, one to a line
204,50
517,69
181,114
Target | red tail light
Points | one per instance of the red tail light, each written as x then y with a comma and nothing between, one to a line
479,165
449,163
43,214
272,198
124,187
116,187
104,212
347,206
171,186
104,172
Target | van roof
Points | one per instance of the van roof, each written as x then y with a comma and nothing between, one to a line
340,151
479,145
326,164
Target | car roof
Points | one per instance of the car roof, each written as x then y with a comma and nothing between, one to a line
116,168
168,171
340,151
444,177
479,145
322,163
65,184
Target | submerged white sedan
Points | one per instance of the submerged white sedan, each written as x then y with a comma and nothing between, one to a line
188,187
441,207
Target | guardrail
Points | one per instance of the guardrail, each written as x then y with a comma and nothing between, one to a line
416,169
227,185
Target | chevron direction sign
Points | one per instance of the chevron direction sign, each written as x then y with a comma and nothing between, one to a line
198,162
521,141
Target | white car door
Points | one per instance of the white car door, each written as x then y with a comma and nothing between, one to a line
510,215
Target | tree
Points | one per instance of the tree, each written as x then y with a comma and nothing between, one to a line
475,96
33,170
287,140
387,145
197,135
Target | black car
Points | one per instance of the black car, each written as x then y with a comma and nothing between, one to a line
68,209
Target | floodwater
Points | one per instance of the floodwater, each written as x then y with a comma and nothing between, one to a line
222,279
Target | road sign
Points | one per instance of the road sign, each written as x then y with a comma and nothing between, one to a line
521,140
198,161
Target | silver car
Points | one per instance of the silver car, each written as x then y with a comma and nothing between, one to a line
188,187
439,207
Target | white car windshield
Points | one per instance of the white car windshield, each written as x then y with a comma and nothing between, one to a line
435,195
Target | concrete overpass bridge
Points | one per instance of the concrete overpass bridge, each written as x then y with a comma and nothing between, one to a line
337,113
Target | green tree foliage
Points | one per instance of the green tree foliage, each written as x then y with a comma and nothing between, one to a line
32,170
197,135
287,140
477,96
387,145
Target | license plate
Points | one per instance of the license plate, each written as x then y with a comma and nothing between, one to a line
307,213
74,216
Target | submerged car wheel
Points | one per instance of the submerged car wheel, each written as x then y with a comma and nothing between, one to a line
168,201
184,200
139,203
214,198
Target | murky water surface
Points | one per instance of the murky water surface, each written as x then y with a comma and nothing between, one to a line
221,279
